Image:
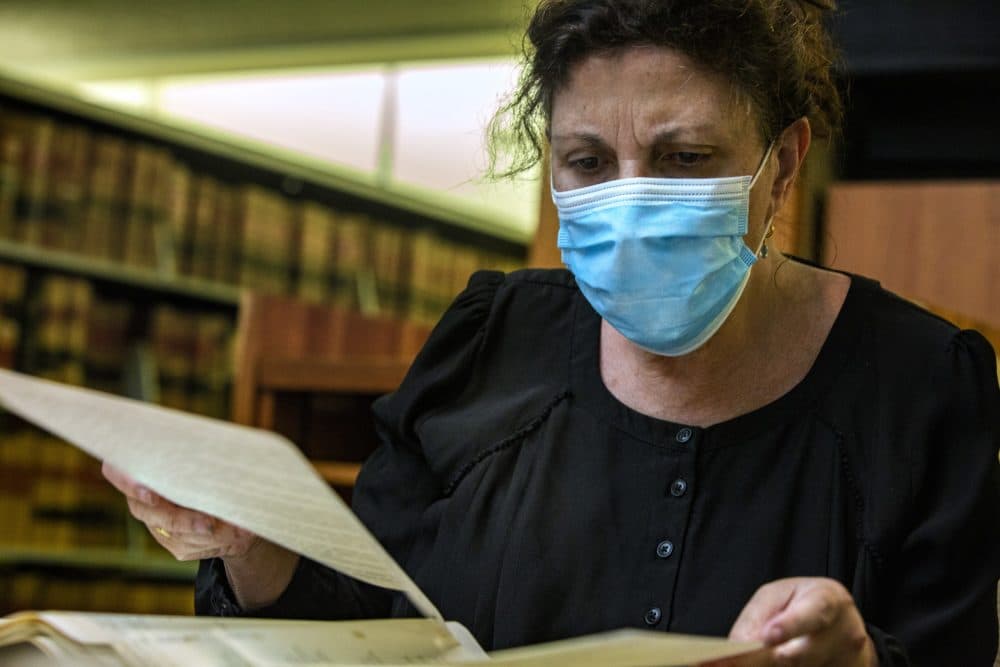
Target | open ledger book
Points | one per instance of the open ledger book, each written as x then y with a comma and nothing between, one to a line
260,481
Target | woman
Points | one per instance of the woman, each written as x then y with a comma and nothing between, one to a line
687,431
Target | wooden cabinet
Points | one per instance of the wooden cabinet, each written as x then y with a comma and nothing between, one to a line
935,242
311,372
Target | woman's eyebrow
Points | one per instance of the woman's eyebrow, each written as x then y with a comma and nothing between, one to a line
699,133
589,138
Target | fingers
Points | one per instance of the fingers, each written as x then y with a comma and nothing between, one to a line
171,518
190,535
814,606
803,621
185,533
127,485
769,600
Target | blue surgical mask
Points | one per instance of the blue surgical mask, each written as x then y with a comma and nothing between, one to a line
661,259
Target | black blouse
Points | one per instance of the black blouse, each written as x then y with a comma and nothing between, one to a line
530,504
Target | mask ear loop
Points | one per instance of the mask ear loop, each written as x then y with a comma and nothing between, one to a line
769,227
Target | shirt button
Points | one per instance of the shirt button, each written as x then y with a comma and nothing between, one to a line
665,549
678,488
653,616
684,434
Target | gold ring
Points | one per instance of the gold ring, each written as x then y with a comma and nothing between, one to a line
163,531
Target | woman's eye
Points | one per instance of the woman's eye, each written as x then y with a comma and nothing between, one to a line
685,158
587,163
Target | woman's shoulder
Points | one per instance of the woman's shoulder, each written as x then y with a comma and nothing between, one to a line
492,298
533,302
889,360
903,367
498,352
898,330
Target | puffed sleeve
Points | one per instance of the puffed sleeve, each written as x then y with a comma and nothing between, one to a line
395,484
944,609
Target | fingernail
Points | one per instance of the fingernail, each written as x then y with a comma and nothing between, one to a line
203,527
145,496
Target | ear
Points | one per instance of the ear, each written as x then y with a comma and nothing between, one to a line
790,147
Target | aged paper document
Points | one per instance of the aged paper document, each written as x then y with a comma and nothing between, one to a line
112,640
177,641
254,479
635,648
262,482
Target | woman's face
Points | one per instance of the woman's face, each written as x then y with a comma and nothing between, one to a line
651,112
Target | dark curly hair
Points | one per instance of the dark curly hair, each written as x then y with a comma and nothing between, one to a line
776,52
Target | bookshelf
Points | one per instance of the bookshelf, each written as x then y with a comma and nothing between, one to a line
115,560
127,248
116,275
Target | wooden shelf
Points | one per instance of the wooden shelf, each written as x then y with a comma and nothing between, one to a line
119,560
359,375
338,473
118,274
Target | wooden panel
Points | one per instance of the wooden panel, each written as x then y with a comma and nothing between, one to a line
544,253
337,473
310,372
934,242
278,331
376,375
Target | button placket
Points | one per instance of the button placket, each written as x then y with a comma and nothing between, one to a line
667,527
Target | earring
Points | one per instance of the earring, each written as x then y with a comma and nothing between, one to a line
763,245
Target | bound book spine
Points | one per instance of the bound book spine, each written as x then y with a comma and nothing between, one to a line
316,252
172,343
202,255
58,333
270,237
147,204
12,149
352,271
105,213
32,136
62,225
12,287
387,263
175,243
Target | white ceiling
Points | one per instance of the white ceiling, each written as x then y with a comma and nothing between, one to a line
101,39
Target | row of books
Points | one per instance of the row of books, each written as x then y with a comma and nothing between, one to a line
53,497
65,330
30,589
70,187
55,503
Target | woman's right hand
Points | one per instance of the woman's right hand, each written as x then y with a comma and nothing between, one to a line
185,533
258,571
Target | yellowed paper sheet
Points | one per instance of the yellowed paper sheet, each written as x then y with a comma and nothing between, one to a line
177,641
169,641
623,648
252,478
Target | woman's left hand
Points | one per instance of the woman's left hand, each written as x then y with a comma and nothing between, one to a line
802,621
